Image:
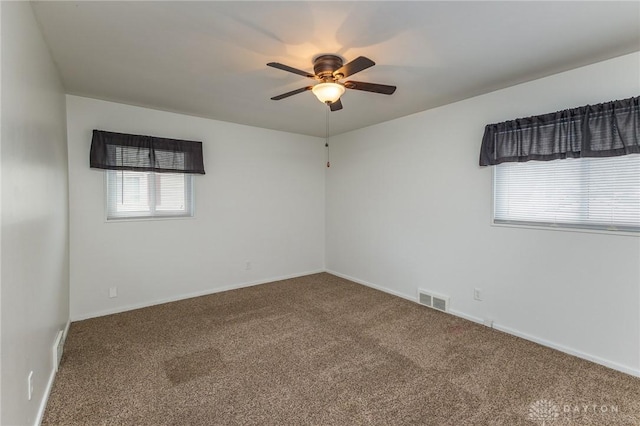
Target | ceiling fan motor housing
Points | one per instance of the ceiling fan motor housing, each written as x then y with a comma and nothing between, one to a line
325,65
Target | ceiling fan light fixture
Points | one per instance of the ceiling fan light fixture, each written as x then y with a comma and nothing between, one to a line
328,92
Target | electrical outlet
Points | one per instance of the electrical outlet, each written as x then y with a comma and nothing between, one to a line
247,265
477,294
30,385
113,292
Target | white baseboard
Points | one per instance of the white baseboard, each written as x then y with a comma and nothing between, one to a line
47,390
66,330
466,316
87,315
45,398
374,286
610,364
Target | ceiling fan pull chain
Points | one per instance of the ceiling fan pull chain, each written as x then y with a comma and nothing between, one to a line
327,138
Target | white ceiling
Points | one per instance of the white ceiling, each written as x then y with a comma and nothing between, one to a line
209,58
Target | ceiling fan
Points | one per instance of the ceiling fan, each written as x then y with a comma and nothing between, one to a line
329,70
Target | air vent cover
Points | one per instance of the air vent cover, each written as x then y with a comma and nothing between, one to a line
58,347
433,300
425,299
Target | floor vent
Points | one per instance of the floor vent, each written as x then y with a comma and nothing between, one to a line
58,346
433,300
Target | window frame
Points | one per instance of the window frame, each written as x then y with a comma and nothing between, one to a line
565,227
189,194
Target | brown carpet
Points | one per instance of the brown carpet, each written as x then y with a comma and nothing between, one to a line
322,350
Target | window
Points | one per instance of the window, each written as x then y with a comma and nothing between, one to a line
146,176
578,167
593,193
148,194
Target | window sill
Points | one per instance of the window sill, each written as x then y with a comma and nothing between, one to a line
146,218
564,228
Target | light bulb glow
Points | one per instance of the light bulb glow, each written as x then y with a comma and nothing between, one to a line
328,92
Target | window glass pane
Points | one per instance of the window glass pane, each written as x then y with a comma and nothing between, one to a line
147,194
170,192
586,192
131,192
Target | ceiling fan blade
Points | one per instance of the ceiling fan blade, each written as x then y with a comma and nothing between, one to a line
291,93
370,87
336,106
358,64
290,69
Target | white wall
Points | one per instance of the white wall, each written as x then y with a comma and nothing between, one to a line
261,200
34,266
408,207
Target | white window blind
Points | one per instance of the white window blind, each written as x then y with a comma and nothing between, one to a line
592,193
148,194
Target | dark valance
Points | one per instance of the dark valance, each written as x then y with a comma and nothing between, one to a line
120,151
603,130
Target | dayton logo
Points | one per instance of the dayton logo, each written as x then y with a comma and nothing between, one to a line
543,411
